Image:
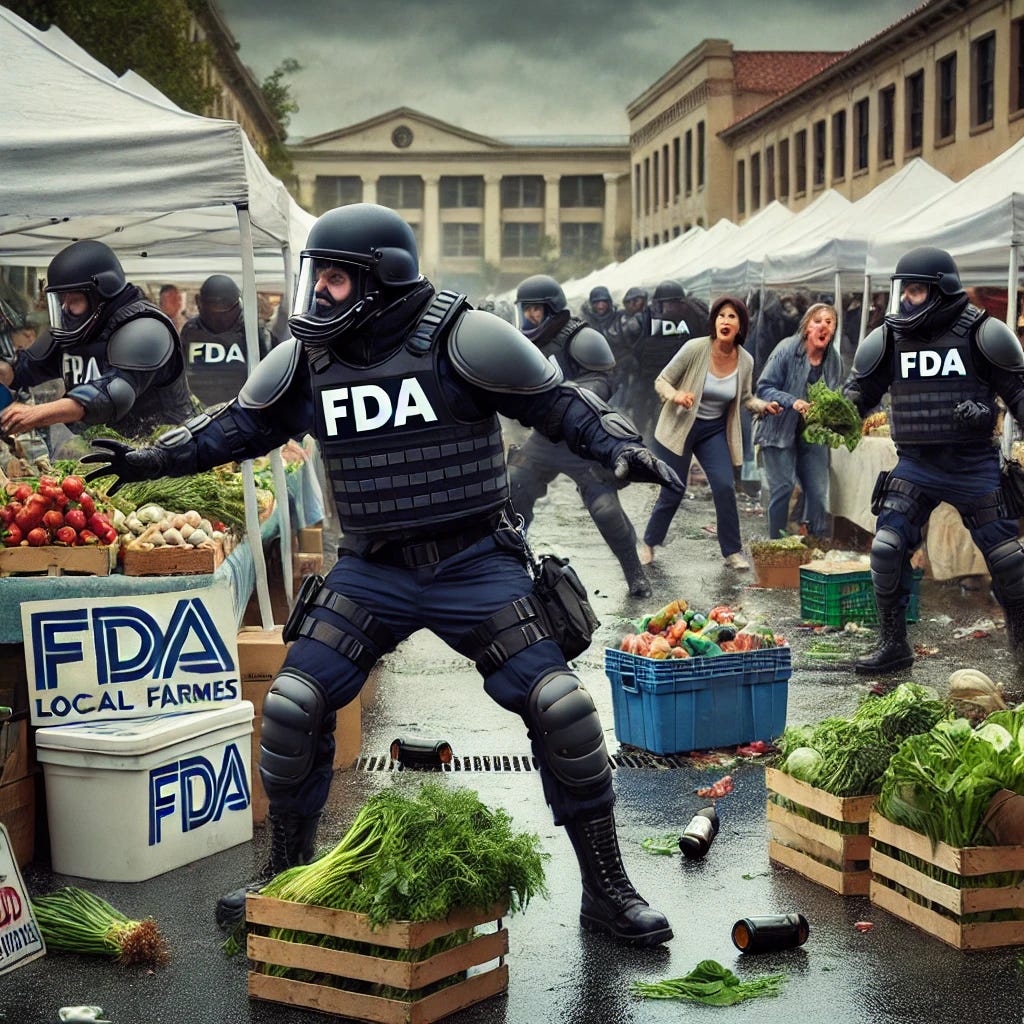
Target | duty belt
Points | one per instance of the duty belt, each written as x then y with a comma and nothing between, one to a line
416,554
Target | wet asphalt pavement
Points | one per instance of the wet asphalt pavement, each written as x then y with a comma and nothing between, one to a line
557,973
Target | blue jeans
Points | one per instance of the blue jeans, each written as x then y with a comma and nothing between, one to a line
784,467
708,442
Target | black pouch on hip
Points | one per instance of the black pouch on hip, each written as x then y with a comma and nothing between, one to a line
303,602
1012,487
878,491
570,619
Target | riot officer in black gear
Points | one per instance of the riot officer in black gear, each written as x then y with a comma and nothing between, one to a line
215,343
943,361
585,358
623,335
599,310
402,387
119,355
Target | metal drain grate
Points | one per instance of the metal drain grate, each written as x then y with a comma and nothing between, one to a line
516,763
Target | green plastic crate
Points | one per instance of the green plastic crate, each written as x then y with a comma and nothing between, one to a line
834,599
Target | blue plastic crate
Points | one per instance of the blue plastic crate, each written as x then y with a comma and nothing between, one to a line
677,705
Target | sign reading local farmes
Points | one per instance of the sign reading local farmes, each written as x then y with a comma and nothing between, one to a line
121,657
20,940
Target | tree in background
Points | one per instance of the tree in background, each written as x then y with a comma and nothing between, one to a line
282,105
151,37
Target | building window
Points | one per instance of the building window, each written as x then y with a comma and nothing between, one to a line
800,160
755,182
636,190
741,188
839,145
688,161
331,192
861,132
945,97
819,154
461,192
581,190
769,174
676,177
1017,65
647,185
522,191
400,192
915,111
581,241
983,77
700,154
654,174
887,124
460,240
784,169
664,174
520,241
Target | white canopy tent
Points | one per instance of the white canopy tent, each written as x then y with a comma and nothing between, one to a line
85,156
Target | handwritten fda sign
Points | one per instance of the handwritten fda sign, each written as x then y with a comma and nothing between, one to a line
20,940
121,658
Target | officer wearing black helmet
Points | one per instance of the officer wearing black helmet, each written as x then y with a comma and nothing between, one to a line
584,357
402,387
943,361
623,335
118,354
599,311
215,344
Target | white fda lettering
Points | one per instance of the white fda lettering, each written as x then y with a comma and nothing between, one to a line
932,364
371,406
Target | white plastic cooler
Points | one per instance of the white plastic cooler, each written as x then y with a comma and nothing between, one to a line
130,799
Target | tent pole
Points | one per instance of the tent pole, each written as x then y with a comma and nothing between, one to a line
1011,287
289,278
252,518
837,292
865,308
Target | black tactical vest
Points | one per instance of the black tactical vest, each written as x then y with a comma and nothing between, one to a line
930,377
396,455
558,347
169,401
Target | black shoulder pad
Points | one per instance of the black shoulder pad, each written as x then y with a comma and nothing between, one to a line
492,354
141,344
42,348
869,353
590,349
272,376
999,345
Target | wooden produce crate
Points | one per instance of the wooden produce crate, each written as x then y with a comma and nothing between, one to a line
940,909
369,971
55,560
820,849
173,560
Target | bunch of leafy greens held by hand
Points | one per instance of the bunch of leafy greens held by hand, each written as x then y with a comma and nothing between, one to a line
419,858
832,418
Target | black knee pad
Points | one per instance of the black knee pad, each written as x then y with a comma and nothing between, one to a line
887,552
565,724
1006,564
293,720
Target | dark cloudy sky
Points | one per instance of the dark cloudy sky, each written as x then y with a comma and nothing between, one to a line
530,67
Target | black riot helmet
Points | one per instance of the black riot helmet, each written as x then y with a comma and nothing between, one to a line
636,298
85,268
220,303
374,248
539,290
926,291
668,296
599,294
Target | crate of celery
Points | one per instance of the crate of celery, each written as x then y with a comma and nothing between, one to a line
383,927
821,794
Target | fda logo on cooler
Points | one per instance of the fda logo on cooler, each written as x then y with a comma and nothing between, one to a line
116,657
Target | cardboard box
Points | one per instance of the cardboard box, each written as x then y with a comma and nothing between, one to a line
378,959
311,540
261,654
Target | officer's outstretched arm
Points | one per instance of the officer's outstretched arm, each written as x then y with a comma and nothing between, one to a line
869,377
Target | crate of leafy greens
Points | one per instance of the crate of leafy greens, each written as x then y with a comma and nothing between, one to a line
947,833
821,794
384,926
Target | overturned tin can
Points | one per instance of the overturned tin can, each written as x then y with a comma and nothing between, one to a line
420,753
770,933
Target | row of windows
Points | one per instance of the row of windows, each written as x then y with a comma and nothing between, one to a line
405,191
829,151
660,179
521,241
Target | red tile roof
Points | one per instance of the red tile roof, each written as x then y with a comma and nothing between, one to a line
778,71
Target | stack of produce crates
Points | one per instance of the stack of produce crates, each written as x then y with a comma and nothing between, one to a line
835,593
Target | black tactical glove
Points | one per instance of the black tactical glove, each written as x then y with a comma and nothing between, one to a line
851,390
973,415
634,463
128,464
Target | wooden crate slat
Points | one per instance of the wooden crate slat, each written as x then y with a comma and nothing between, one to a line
441,1005
842,808
344,924
845,883
172,560
820,842
948,896
55,560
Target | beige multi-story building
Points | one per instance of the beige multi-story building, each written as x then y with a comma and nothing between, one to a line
487,212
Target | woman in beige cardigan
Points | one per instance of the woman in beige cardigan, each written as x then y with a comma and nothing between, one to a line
702,389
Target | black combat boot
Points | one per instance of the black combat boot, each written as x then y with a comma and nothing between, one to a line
292,842
636,578
610,903
894,652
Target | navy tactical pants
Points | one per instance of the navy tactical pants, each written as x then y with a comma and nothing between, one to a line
449,598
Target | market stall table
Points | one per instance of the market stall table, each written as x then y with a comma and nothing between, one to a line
950,550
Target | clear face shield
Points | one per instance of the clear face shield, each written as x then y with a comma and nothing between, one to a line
72,312
329,298
910,296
